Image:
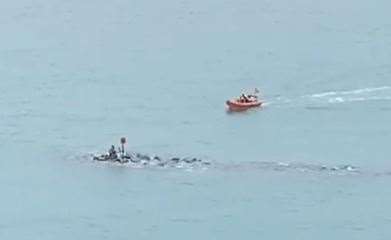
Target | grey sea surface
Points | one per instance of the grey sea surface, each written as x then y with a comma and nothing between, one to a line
313,163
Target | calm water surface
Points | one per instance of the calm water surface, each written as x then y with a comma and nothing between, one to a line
312,164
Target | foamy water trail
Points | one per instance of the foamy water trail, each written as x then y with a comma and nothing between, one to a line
357,99
351,92
382,93
357,95
277,101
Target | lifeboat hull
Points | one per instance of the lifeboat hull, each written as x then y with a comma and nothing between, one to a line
235,105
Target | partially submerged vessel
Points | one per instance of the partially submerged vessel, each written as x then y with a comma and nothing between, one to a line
112,158
121,156
138,159
115,156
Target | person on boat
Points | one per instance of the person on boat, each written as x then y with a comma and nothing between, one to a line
244,98
112,152
254,96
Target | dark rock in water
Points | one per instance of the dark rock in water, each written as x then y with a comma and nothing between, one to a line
144,160
100,158
143,157
120,159
189,160
348,168
135,160
323,168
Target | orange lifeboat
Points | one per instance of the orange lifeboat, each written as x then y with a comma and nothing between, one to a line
239,105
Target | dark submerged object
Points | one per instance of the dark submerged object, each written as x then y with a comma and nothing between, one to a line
121,156
113,158
144,159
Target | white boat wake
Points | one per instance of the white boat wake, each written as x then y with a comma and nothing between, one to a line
382,93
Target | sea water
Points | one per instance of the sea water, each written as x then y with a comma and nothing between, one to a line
313,163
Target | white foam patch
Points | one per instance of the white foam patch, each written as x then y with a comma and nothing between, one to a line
357,99
325,94
336,100
350,92
288,167
382,93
